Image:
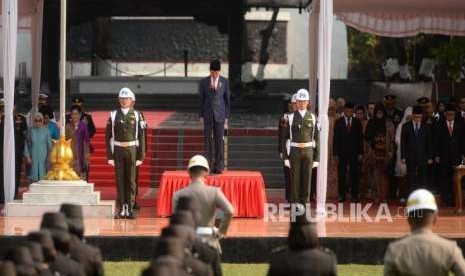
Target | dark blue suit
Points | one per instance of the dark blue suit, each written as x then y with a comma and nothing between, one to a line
214,109
416,149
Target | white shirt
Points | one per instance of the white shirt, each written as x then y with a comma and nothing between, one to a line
125,111
302,112
214,82
450,124
348,120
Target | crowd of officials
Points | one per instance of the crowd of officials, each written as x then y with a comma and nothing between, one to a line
402,149
33,134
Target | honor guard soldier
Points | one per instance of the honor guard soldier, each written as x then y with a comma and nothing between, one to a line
85,117
289,109
125,150
303,131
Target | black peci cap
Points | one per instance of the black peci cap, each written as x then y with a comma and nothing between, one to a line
215,65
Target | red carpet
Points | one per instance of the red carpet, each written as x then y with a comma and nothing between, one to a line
102,174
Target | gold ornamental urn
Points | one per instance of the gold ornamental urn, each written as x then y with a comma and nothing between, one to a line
61,156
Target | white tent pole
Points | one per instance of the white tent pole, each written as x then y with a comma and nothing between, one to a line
10,33
36,33
63,67
324,80
313,55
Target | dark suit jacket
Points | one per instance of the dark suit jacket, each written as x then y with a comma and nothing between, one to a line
448,148
345,143
214,105
416,150
315,262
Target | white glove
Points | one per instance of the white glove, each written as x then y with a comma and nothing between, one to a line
287,163
138,163
111,162
216,233
315,164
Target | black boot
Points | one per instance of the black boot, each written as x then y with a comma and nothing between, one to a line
121,212
130,212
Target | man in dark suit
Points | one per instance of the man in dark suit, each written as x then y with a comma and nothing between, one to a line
214,114
461,113
416,149
347,149
449,138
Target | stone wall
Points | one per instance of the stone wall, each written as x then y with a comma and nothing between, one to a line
165,41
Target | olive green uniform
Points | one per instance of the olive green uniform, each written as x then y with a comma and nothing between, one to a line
125,144
304,136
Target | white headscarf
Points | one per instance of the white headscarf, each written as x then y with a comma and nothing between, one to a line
407,112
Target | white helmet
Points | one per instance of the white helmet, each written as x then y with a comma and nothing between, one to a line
302,95
294,98
126,93
198,160
421,199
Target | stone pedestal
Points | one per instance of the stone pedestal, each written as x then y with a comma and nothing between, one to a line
47,196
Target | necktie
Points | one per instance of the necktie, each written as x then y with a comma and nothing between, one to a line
349,124
449,126
212,85
417,130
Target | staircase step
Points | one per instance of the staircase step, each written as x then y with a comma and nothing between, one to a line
45,186
59,198
104,209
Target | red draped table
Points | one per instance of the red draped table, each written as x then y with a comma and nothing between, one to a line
244,189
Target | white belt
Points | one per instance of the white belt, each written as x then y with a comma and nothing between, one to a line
127,144
303,145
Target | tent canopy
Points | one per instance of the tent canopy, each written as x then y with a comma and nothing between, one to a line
400,18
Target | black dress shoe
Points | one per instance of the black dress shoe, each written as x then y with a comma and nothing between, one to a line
120,214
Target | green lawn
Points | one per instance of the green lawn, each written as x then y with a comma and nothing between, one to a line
135,268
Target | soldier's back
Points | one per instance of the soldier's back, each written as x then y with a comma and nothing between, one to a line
66,267
423,253
88,256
